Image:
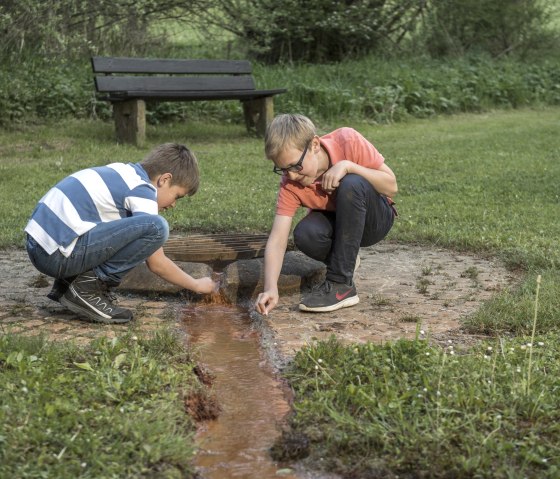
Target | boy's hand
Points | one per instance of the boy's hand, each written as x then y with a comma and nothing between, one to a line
331,177
206,286
266,302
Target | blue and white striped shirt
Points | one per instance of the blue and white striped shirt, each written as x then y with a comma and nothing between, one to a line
83,200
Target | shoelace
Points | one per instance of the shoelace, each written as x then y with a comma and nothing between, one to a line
104,289
108,292
325,286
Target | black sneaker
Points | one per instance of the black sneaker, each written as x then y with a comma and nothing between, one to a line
87,296
60,286
330,297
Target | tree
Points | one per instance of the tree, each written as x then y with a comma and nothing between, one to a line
74,27
314,30
456,27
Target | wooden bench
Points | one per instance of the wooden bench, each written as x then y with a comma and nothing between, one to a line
129,82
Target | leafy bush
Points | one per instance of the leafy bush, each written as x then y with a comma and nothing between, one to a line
70,28
374,89
457,27
392,90
313,30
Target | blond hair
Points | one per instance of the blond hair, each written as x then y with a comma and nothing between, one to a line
175,159
287,130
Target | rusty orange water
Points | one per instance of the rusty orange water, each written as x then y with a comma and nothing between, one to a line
254,403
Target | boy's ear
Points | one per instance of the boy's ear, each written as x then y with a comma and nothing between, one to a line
164,178
315,143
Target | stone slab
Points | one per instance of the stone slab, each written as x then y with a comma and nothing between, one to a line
244,279
142,280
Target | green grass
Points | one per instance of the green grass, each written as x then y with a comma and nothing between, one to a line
486,184
113,409
408,409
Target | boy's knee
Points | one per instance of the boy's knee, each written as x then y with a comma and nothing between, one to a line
354,188
353,182
162,227
312,238
301,236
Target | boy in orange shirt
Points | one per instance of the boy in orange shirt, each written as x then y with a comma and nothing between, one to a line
347,186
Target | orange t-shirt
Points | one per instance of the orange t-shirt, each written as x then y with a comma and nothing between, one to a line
341,144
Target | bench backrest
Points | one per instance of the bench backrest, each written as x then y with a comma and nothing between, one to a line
162,66
204,75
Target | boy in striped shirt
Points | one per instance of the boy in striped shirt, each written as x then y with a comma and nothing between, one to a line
97,224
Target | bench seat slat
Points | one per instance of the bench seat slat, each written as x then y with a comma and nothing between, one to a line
193,95
162,84
162,66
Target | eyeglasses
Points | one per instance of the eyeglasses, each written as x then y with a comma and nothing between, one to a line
296,167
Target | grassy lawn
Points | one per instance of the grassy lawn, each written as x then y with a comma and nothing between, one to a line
113,409
480,183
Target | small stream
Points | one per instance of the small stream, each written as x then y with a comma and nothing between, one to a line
254,403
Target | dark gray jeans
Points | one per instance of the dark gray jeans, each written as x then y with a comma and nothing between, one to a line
363,217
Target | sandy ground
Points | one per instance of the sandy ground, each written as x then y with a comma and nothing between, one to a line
399,286
25,309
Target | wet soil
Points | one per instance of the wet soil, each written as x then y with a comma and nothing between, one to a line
254,402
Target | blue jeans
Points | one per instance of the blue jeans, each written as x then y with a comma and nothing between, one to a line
363,217
111,249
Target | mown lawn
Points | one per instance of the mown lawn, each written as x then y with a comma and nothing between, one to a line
481,183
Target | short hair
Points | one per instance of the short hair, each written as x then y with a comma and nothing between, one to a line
285,131
175,159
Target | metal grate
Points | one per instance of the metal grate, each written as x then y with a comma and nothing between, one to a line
216,247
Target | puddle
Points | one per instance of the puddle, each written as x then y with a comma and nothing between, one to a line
253,402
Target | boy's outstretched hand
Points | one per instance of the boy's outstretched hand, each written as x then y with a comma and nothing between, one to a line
266,301
206,286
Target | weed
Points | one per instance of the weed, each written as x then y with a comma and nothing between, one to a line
379,300
471,273
422,285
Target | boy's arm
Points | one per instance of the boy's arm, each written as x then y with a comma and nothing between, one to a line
273,259
165,268
382,179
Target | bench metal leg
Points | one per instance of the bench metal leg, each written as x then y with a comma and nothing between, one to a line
130,121
258,114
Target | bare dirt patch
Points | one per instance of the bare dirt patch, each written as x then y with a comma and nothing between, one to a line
25,309
399,286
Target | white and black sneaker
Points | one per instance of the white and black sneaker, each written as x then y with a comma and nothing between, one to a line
88,296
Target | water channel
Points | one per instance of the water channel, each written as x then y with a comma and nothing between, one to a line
254,402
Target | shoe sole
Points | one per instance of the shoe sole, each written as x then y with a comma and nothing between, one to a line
90,314
346,303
